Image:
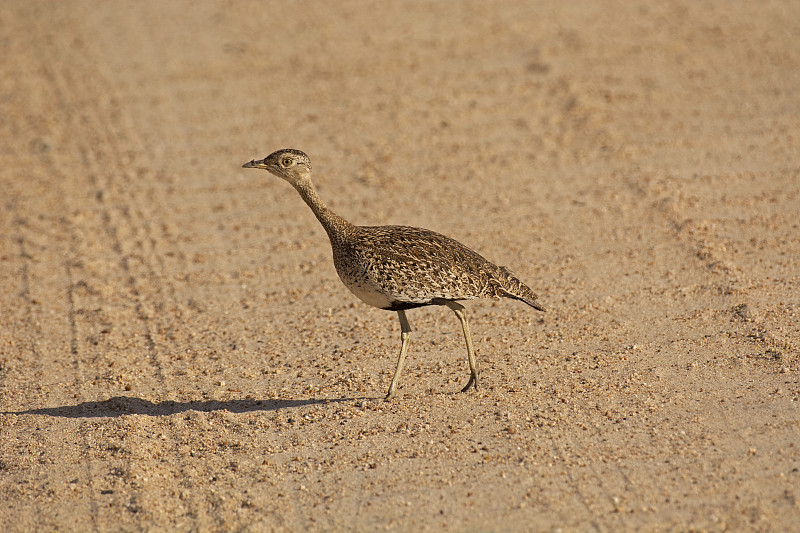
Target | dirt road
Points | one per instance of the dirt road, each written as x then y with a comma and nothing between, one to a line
177,353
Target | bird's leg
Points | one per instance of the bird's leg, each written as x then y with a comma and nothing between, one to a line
461,313
405,332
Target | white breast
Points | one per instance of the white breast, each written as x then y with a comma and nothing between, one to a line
368,293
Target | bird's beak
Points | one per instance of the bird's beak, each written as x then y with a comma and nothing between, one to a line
255,164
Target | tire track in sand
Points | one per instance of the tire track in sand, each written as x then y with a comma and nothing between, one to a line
115,287
41,326
735,285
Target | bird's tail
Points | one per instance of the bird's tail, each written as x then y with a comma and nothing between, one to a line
514,288
533,303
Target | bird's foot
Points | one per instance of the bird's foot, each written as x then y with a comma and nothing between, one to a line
473,382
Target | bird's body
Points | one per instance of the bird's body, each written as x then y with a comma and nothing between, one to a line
400,267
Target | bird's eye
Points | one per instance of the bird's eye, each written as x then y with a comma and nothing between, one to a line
287,162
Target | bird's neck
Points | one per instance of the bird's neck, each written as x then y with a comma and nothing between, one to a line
335,226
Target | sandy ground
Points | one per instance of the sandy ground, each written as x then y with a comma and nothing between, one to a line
177,353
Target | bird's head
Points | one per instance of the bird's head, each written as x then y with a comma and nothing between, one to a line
289,164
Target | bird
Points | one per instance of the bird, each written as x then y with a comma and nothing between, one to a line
397,268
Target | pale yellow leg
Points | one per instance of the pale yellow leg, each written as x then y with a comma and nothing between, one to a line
461,313
405,332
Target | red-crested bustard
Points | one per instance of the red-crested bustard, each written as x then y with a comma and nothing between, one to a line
399,267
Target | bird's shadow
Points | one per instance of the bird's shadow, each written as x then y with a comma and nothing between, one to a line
125,405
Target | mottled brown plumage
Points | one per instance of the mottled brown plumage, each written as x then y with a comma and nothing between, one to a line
399,267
